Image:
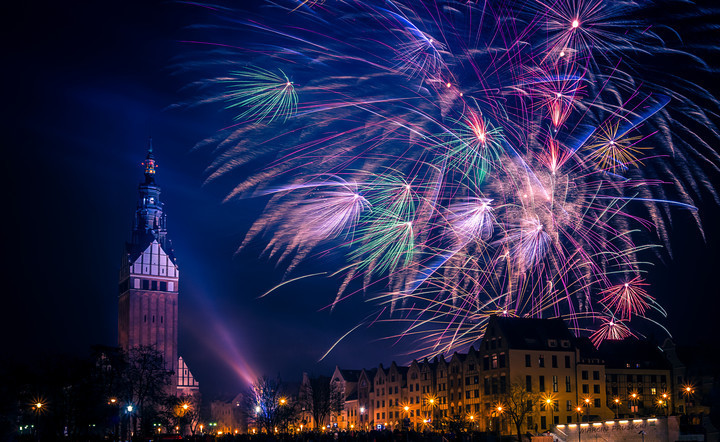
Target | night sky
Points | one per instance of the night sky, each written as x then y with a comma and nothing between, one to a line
86,84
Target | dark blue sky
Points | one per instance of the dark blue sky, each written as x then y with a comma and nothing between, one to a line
85,85
88,84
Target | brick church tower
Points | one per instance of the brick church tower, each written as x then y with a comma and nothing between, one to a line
148,302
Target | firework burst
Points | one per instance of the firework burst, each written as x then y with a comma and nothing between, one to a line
477,159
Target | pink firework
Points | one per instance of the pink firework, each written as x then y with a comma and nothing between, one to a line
628,298
610,329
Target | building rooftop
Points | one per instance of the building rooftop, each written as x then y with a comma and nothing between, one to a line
532,333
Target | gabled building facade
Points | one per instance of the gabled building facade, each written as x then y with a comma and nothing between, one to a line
571,382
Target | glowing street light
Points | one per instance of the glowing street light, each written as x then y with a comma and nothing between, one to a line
587,405
550,403
498,413
687,391
617,405
37,407
666,402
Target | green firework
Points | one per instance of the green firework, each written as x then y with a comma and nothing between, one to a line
261,94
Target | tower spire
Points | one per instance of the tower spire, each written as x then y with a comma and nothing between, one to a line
149,217
150,164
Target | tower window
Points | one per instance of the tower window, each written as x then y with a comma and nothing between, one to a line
154,285
153,319
161,319
145,284
163,286
145,318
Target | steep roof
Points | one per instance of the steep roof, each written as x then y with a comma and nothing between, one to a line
134,250
633,353
350,375
531,333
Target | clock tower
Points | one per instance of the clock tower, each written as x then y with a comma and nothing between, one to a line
149,277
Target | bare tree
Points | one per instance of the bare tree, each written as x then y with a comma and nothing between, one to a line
268,408
320,398
518,404
146,384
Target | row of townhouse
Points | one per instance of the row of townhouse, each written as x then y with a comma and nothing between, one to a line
568,377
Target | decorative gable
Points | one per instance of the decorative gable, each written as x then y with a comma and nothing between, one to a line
153,261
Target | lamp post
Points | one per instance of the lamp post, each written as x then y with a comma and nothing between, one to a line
687,392
666,401
617,406
550,403
499,410
587,401
362,421
129,411
37,407
113,402
578,409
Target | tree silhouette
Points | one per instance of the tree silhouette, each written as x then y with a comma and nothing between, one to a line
320,398
518,404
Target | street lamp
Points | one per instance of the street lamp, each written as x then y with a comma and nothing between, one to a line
131,426
550,403
499,411
617,405
687,391
37,407
579,410
666,401
586,404
634,397
430,414
362,420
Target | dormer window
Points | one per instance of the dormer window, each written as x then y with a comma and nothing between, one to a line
565,343
552,343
